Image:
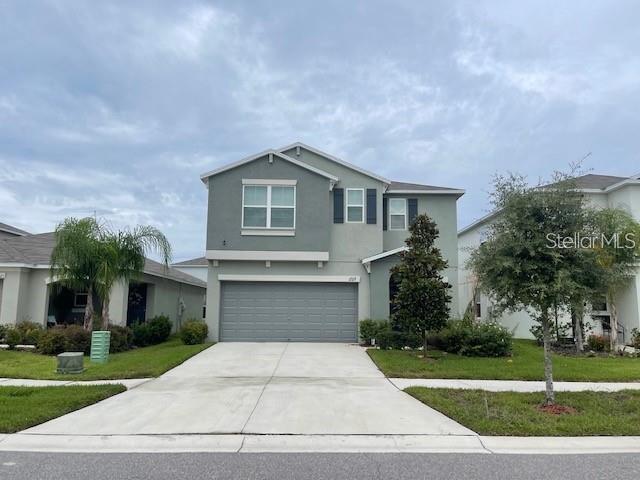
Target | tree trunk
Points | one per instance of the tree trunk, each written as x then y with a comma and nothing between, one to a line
613,340
576,319
105,312
88,311
548,365
424,344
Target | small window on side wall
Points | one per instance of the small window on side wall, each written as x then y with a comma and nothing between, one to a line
355,205
397,214
80,299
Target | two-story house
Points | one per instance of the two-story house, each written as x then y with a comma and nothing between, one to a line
600,191
300,244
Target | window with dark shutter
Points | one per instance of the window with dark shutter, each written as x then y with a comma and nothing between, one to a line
338,205
385,208
371,206
412,207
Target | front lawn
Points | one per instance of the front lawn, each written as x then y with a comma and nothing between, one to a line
517,414
138,363
524,364
24,407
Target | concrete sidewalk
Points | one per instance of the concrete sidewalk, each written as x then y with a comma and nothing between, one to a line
512,385
25,382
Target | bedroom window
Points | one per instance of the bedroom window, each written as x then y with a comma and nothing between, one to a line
355,205
397,214
268,206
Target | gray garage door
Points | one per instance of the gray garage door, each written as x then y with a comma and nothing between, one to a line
283,312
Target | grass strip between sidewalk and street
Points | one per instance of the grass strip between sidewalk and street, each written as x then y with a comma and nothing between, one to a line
518,414
24,407
526,363
137,363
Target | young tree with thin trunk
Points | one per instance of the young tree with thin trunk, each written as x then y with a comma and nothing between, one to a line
518,264
422,301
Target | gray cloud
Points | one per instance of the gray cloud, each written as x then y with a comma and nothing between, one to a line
118,107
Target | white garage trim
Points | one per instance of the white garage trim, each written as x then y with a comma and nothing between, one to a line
290,278
275,255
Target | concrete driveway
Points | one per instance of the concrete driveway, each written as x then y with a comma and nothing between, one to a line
262,388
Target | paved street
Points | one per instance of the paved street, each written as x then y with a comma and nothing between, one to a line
45,466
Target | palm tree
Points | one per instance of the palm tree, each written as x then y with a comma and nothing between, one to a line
73,259
122,258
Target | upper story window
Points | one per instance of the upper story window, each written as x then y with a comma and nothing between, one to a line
397,213
355,205
268,206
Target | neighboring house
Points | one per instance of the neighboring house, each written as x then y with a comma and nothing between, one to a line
600,191
300,244
7,231
196,267
27,291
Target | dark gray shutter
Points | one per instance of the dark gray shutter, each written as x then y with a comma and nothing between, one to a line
385,207
412,207
338,205
371,205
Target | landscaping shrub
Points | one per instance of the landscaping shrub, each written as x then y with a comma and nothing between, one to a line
121,339
13,337
152,332
371,329
193,332
635,338
387,338
598,343
485,339
53,341
77,339
30,332
3,332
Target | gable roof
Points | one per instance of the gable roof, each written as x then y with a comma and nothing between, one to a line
335,159
204,177
34,251
404,187
10,229
194,262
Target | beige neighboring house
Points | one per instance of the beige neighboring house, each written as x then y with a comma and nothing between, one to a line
196,267
600,191
27,291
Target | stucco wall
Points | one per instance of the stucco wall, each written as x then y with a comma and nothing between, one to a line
313,213
164,295
379,286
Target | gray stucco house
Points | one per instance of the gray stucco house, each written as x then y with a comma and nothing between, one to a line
28,292
300,244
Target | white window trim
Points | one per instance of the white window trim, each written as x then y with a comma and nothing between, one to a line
268,205
346,211
75,299
406,214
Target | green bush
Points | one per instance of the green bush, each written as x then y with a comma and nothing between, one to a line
152,332
13,337
371,329
3,332
598,343
193,332
121,339
635,338
53,341
387,338
469,338
30,332
69,338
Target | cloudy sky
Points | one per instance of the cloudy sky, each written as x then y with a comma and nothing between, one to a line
117,107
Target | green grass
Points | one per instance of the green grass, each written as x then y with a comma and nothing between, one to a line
24,407
524,364
516,414
141,362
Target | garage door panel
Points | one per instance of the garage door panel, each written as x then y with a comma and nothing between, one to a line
277,311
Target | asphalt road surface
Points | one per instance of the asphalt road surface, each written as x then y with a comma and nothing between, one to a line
193,466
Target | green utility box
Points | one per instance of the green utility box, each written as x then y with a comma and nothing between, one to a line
70,362
100,341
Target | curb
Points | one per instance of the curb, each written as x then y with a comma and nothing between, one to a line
22,442
524,386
